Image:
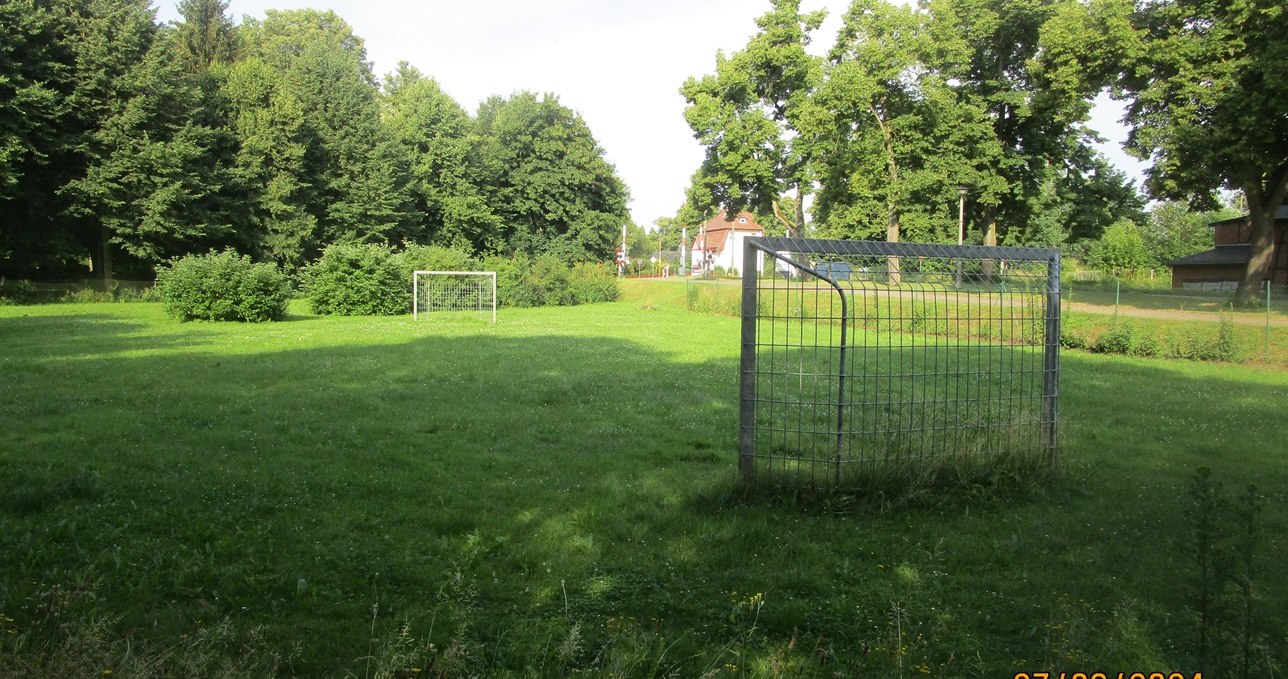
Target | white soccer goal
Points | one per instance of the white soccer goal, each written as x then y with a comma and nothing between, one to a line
454,291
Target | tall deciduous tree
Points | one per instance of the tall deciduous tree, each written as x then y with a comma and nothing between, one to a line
1206,85
353,168
895,141
273,213
439,141
1039,128
752,116
547,179
1174,231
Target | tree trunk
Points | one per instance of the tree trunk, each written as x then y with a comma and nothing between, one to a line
105,239
990,239
800,212
1263,203
892,235
795,226
892,204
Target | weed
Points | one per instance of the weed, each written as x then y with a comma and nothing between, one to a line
1225,545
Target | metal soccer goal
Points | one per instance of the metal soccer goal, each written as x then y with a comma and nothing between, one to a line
862,357
440,292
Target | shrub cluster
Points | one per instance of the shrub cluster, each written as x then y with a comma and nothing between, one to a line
547,280
18,292
1131,339
222,286
357,279
376,280
349,279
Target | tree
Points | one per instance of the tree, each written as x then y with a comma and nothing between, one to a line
147,168
668,232
547,179
357,178
897,142
38,137
1121,248
206,36
439,141
1095,196
752,115
1175,231
274,213
1038,127
1207,86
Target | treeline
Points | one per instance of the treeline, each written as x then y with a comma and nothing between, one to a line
125,143
911,114
916,111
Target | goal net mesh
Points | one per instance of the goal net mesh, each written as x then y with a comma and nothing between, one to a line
454,294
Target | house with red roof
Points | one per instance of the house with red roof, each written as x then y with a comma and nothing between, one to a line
719,241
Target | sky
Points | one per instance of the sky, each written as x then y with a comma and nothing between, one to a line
619,63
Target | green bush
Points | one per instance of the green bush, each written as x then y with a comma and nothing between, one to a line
1201,346
509,273
432,258
1118,340
1073,338
548,280
593,282
18,292
1146,345
222,286
357,279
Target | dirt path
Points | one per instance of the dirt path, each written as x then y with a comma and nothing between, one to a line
1244,318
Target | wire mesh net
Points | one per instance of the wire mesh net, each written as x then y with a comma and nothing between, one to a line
871,357
452,294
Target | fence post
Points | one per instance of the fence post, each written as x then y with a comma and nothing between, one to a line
1051,362
747,384
1267,321
841,376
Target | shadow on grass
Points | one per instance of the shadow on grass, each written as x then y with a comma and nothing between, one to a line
503,488
83,335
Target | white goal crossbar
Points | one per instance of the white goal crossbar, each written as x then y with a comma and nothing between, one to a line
456,291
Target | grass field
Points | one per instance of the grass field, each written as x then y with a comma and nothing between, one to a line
557,493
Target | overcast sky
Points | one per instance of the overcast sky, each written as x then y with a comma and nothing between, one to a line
619,64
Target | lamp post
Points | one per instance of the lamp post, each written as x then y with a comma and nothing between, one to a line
961,225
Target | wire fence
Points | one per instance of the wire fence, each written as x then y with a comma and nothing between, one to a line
862,358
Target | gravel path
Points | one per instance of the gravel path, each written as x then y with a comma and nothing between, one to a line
1241,318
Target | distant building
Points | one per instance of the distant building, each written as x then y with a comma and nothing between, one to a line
719,241
1222,267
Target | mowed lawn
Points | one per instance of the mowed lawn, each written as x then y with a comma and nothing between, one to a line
557,493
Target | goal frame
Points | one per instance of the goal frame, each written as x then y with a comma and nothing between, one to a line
900,349
415,287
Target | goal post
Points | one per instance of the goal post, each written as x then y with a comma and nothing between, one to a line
453,291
